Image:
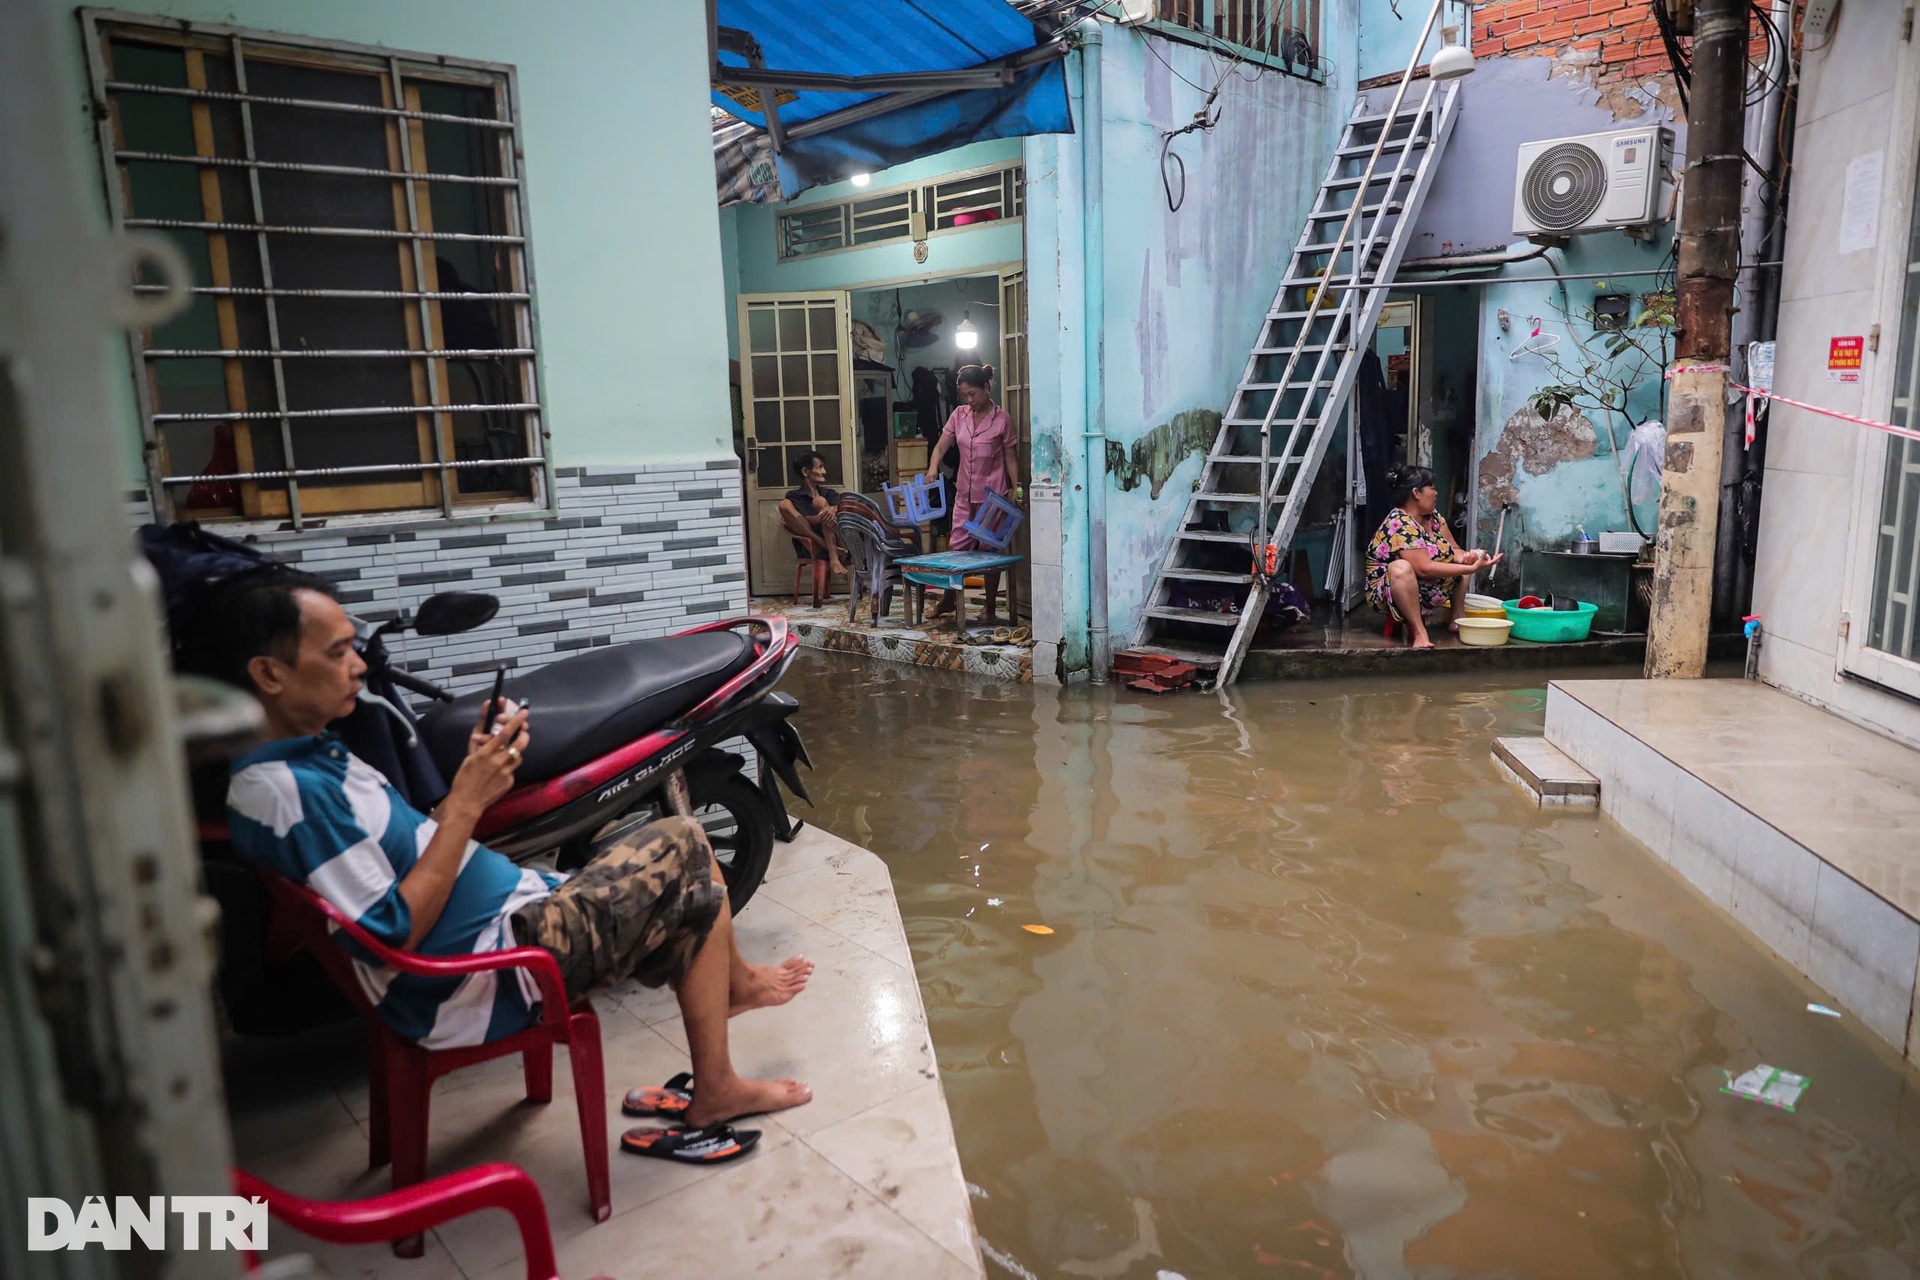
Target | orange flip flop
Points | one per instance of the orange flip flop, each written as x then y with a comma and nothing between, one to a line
665,1102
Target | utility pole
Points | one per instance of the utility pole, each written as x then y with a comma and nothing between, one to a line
1697,405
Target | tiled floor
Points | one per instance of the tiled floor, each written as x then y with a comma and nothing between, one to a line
1849,795
1794,821
863,1181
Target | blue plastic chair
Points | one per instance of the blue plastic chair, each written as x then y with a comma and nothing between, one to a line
995,522
917,501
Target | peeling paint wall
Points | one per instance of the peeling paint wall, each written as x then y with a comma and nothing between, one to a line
1186,290
1155,456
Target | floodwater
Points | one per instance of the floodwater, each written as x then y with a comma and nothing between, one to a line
1324,996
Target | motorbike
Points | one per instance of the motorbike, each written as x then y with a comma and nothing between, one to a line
625,728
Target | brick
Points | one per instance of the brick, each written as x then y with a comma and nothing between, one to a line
1588,26
611,562
534,579
435,576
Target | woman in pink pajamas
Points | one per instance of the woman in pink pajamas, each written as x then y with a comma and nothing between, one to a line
989,459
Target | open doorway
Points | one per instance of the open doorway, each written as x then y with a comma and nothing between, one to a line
1413,402
865,377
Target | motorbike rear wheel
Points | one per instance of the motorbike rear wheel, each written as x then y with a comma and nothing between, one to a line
739,824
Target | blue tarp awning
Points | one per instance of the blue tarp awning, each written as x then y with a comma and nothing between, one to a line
860,85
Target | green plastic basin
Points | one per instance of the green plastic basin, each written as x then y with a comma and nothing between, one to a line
1550,626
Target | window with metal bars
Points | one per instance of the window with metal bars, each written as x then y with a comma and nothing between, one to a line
952,204
1283,34
361,336
1894,622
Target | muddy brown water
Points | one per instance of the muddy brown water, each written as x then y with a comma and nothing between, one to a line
1325,996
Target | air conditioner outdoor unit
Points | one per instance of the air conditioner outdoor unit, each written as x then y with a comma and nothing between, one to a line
1597,182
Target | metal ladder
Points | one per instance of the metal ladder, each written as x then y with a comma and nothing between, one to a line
1299,378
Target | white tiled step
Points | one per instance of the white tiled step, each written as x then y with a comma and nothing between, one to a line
1546,773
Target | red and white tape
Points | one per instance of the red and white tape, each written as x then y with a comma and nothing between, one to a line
1905,432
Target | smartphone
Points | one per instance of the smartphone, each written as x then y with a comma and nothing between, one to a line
492,709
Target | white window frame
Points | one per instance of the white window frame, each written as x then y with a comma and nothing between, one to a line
922,201
1898,218
536,458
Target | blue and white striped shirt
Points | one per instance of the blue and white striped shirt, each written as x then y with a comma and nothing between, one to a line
316,813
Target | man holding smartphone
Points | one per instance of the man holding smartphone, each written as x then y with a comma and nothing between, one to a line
650,904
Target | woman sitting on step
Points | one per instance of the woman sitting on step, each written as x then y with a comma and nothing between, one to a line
1413,563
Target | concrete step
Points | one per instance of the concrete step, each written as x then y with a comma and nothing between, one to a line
1546,773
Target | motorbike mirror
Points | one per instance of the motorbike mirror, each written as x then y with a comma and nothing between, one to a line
452,612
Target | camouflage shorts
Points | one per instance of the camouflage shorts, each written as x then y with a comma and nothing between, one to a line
641,908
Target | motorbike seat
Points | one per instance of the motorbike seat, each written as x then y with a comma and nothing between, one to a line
588,706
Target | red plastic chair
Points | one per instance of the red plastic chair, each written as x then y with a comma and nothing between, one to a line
402,1214
822,578
401,1073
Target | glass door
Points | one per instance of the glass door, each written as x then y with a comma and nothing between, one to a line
796,390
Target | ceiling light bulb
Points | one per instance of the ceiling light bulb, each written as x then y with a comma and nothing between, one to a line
965,336
861,179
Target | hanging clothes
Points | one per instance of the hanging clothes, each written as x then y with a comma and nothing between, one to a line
1373,410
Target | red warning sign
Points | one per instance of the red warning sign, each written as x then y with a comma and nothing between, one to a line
1843,358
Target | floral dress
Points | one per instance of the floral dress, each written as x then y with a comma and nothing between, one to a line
1402,532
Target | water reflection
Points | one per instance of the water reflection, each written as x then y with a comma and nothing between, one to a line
1324,997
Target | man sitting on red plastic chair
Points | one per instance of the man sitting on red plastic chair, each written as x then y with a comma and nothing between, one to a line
650,903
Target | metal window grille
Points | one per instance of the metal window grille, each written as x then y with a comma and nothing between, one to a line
362,334
985,197
813,231
1283,34
886,217
953,204
1894,623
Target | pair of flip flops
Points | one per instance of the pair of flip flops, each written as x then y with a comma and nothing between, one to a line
715,1144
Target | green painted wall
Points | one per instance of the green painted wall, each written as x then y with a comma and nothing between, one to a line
626,242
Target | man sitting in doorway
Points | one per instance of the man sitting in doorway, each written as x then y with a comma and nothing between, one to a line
650,904
808,513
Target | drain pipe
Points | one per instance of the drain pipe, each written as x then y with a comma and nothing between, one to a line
1094,321
1757,321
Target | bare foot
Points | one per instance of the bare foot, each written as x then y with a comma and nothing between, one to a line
713,1103
762,986
1422,644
